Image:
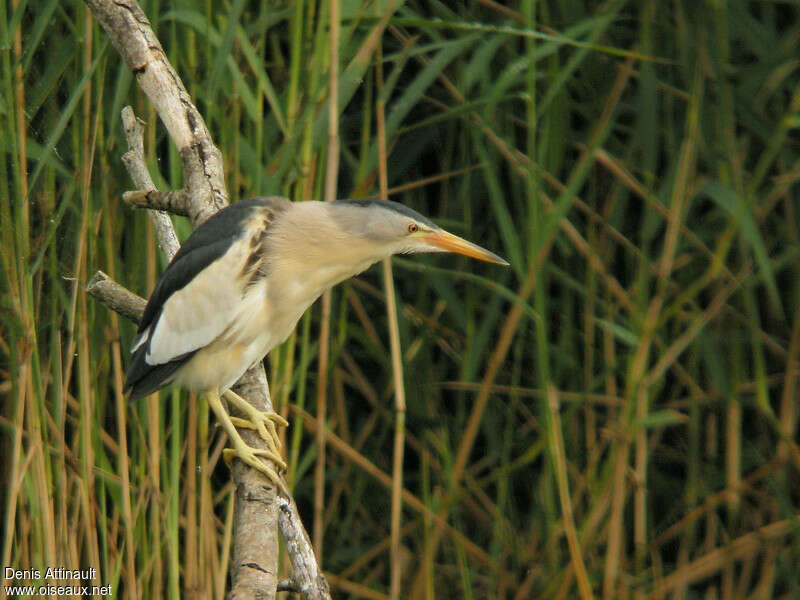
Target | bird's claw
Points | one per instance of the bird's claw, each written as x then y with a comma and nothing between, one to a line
261,421
250,456
247,454
264,423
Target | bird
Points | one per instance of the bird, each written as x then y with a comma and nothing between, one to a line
239,284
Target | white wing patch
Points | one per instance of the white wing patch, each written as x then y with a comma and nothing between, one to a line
196,315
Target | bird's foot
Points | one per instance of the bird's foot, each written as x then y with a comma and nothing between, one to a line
251,457
262,422
247,454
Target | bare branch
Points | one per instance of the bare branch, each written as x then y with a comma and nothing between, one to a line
288,586
307,576
116,297
177,202
137,168
131,34
255,514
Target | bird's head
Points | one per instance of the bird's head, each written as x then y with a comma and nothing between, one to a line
396,229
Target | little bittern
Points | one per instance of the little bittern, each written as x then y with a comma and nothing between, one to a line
242,280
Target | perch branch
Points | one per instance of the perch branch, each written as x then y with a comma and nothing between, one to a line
255,551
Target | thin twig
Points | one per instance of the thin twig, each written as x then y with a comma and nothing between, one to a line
136,166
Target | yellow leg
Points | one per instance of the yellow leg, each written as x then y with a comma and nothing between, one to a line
247,454
263,422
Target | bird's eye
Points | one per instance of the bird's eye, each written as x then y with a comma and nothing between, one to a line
412,227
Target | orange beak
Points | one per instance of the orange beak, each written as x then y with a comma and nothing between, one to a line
452,243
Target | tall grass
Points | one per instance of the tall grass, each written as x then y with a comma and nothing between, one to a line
613,416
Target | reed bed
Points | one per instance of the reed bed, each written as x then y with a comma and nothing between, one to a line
614,416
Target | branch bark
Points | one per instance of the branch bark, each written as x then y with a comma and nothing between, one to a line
130,32
135,163
256,512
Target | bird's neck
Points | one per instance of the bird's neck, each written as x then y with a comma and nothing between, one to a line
316,256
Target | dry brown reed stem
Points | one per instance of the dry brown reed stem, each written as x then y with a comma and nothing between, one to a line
715,500
627,178
358,590
397,358
339,445
560,459
717,559
331,179
412,185
378,549
637,385
503,10
189,493
124,469
671,354
17,469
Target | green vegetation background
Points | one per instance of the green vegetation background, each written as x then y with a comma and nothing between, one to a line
633,375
